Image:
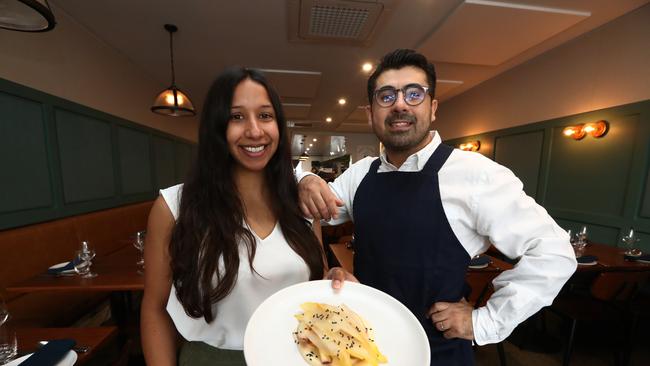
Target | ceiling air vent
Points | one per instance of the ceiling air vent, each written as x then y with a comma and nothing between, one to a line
351,22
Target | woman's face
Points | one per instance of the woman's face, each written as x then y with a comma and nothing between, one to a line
252,132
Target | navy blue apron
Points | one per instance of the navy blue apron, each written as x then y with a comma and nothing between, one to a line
405,247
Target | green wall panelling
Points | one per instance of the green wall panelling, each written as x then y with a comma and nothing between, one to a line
61,158
164,162
591,175
86,155
522,154
135,161
645,207
604,183
183,161
644,210
25,174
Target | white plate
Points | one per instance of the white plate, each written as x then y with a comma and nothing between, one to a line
68,360
398,334
63,264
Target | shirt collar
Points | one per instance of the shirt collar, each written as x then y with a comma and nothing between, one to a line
416,161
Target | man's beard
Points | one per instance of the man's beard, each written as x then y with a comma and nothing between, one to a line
403,140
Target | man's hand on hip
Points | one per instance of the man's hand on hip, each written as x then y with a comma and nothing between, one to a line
317,200
454,319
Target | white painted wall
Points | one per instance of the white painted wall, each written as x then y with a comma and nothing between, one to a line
71,63
606,67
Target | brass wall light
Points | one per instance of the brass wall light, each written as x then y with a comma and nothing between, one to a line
575,132
595,129
172,101
470,146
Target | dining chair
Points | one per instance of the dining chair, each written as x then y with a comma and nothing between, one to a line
608,298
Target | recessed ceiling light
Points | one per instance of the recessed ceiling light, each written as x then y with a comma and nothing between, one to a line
328,119
366,67
342,101
315,139
310,145
307,149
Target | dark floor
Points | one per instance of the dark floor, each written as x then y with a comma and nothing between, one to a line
593,345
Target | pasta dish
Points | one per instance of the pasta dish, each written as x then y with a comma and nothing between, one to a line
335,336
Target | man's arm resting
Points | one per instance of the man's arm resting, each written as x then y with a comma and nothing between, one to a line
317,200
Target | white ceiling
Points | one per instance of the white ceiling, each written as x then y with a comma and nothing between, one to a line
469,41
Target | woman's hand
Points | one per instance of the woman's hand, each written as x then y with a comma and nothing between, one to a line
339,275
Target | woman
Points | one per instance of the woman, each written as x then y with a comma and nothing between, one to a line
231,236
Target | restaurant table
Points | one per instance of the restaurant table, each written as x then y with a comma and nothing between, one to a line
610,258
94,338
117,273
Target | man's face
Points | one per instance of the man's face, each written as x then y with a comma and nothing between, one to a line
402,127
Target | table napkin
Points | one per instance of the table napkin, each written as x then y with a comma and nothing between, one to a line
68,267
587,259
51,353
480,261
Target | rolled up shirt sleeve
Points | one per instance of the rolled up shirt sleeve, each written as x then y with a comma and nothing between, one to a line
521,229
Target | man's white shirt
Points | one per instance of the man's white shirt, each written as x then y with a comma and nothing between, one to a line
485,204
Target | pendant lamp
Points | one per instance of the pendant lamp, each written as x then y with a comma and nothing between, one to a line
26,15
172,101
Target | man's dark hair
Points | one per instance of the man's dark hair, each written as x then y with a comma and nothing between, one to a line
398,59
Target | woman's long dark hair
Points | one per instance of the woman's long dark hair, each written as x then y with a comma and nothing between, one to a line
209,224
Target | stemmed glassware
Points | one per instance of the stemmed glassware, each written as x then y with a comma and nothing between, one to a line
84,260
8,342
629,243
4,312
580,242
138,243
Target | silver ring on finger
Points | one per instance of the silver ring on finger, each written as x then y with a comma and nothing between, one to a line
441,326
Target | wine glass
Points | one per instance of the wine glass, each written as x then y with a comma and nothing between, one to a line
8,342
580,242
4,312
84,260
138,243
629,242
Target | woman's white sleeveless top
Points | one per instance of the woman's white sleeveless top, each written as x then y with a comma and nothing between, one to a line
277,267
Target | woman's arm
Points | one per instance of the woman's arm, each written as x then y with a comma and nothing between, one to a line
156,327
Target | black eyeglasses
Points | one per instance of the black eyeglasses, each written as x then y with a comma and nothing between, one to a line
414,94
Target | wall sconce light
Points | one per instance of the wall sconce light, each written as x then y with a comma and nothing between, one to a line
595,129
575,132
470,146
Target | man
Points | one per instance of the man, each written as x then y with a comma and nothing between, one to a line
423,210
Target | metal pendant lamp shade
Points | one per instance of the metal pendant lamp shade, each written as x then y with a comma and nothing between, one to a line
26,15
172,101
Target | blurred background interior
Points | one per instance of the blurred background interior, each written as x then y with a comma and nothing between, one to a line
558,91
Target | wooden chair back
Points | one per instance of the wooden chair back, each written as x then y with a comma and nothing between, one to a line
618,286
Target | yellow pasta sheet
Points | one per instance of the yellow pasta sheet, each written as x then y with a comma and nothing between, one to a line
335,336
